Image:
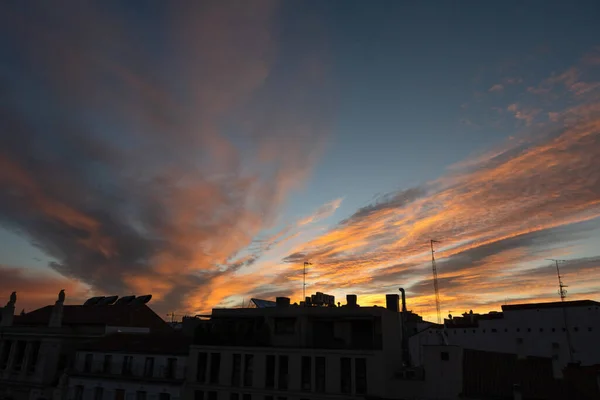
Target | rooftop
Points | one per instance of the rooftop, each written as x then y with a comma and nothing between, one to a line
555,304
108,315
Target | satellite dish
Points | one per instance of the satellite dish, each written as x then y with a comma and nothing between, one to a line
93,301
142,299
107,301
125,300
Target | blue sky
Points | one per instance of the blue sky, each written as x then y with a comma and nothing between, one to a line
203,144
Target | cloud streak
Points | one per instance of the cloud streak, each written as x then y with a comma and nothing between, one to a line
150,168
492,214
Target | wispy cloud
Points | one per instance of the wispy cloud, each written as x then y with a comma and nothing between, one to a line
496,88
491,215
527,115
326,210
150,167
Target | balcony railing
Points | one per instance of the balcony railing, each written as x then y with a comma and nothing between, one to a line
133,371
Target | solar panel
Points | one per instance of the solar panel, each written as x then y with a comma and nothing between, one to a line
259,303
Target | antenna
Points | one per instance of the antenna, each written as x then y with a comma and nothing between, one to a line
561,286
435,282
304,280
563,294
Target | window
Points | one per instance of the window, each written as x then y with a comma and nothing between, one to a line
505,329
473,330
126,368
283,373
149,367
445,356
215,367
320,371
484,331
360,373
346,375
198,395
78,392
576,329
589,329
201,371
285,326
212,395
494,330
247,396
268,397
270,373
106,366
35,352
553,329
19,355
248,370
528,329
518,329
98,393
234,396
236,371
171,370
5,353
119,394
541,329
564,329
140,395
306,373
164,396
464,331
87,365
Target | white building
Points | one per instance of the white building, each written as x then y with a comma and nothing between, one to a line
130,367
37,348
299,352
536,329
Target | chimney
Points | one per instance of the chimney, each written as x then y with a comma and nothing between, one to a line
57,311
282,301
403,299
8,312
391,302
351,300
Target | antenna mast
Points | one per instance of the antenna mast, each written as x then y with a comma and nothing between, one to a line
563,294
304,280
561,286
435,282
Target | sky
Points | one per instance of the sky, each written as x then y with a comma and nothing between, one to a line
202,151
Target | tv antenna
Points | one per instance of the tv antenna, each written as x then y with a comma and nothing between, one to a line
435,281
561,286
304,280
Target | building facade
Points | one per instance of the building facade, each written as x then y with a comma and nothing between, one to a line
296,352
37,348
566,332
130,367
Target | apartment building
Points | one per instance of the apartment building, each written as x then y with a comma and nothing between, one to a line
130,367
37,348
565,331
295,352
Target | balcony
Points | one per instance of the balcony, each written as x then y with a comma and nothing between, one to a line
135,371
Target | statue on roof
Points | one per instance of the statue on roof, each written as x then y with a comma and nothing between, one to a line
13,299
61,296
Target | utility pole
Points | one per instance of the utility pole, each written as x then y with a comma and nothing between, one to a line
304,281
435,282
563,294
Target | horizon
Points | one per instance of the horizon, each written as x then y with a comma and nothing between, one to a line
203,152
